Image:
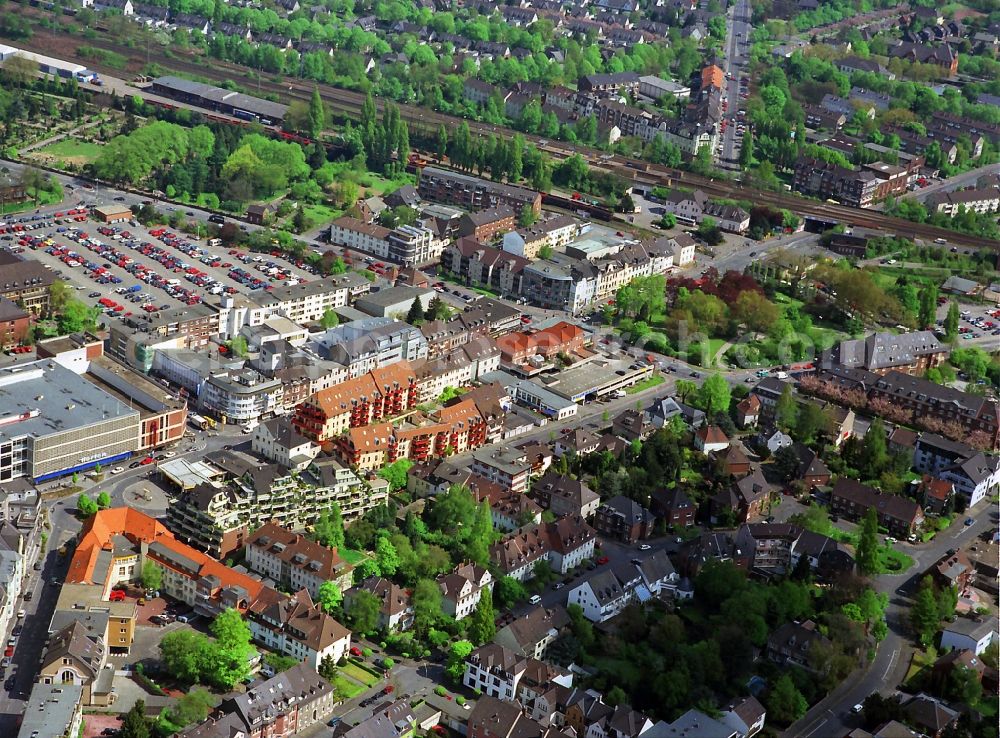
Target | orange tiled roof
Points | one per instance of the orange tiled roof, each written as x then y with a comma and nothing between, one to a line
712,76
101,528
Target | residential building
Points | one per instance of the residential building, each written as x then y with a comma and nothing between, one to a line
564,544
355,234
14,324
473,193
624,519
790,644
656,88
953,570
395,605
462,588
968,634
554,232
381,393
76,657
695,723
485,225
475,264
507,467
518,350
909,353
675,507
52,711
278,442
609,590
284,705
900,515
745,499
367,344
531,634
745,715
497,672
980,201
228,494
294,562
710,439
563,495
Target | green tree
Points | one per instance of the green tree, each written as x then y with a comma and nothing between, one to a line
714,395
238,345
85,506
951,322
874,451
231,663
329,528
329,319
924,614
457,655
481,537
396,474
185,654
784,702
103,501
386,556
866,555
963,685
482,624
928,306
426,605
509,592
134,723
151,575
686,388
329,596
192,707
787,409
415,314
328,668
317,114
746,151
362,612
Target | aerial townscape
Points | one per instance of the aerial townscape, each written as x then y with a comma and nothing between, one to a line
462,369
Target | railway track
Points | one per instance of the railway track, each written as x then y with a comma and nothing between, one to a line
349,102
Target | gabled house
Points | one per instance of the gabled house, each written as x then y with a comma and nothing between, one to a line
462,588
900,515
748,411
674,507
563,495
789,645
745,715
531,634
624,519
710,438
395,606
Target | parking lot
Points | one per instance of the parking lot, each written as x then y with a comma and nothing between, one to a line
976,321
131,269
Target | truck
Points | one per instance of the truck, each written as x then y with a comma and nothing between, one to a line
200,421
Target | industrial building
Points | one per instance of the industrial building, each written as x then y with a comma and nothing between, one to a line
224,101
48,65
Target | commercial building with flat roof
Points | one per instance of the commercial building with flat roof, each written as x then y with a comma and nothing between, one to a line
474,193
592,380
229,102
53,711
54,422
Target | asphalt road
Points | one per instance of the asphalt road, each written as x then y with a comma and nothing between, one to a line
959,181
832,715
736,46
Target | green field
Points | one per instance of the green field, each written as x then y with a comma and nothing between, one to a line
356,672
347,688
351,556
70,151
645,384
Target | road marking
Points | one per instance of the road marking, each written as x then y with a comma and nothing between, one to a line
821,722
892,662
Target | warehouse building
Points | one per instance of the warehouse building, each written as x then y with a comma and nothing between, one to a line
245,107
48,65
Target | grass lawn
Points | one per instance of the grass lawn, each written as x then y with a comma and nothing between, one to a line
346,687
645,384
356,672
892,561
920,661
714,344
70,151
320,214
351,556
378,185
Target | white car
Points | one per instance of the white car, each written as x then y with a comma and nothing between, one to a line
170,454
645,547
858,708
118,470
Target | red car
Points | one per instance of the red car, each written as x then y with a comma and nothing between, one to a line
9,651
603,560
147,461
355,651
116,595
